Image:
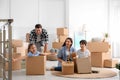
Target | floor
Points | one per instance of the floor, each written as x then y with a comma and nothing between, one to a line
20,75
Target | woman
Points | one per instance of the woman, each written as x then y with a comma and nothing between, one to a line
64,53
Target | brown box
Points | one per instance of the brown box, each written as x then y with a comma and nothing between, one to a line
35,65
57,45
17,43
21,50
97,58
52,57
27,37
98,46
110,63
67,68
62,31
15,65
83,65
62,38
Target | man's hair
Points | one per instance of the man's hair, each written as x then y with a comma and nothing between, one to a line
83,42
38,26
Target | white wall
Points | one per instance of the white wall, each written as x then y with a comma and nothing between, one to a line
93,13
27,13
4,10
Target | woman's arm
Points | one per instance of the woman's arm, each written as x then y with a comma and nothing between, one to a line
60,60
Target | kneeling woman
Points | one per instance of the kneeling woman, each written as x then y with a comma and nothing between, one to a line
64,53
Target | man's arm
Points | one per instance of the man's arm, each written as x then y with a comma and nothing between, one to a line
31,37
45,47
46,40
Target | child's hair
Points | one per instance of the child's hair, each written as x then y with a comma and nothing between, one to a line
83,42
30,46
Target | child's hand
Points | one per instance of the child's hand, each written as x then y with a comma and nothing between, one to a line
14,60
42,54
74,57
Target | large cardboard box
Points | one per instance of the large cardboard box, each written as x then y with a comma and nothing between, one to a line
35,65
97,58
67,68
62,31
62,38
17,43
15,65
98,46
110,63
83,65
57,45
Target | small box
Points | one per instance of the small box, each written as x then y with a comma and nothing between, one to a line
52,57
83,65
97,58
35,65
57,45
110,63
98,46
17,43
67,68
62,31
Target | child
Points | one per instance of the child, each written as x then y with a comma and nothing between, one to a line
32,51
83,51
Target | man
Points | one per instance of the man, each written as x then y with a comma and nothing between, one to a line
39,37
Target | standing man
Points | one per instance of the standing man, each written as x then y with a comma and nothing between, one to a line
39,37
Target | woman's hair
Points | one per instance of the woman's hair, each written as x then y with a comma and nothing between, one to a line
64,44
30,46
83,42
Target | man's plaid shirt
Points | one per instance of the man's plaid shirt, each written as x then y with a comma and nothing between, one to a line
43,36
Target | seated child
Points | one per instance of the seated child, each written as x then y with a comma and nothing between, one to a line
83,51
32,51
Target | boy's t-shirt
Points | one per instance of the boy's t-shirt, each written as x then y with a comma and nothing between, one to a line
36,54
82,54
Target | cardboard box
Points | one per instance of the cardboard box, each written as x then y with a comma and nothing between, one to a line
83,65
17,43
52,57
97,58
21,50
110,63
98,46
62,31
35,65
15,65
57,45
67,68
27,37
62,38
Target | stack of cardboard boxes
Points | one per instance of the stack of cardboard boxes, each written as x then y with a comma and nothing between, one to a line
19,49
100,51
62,34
